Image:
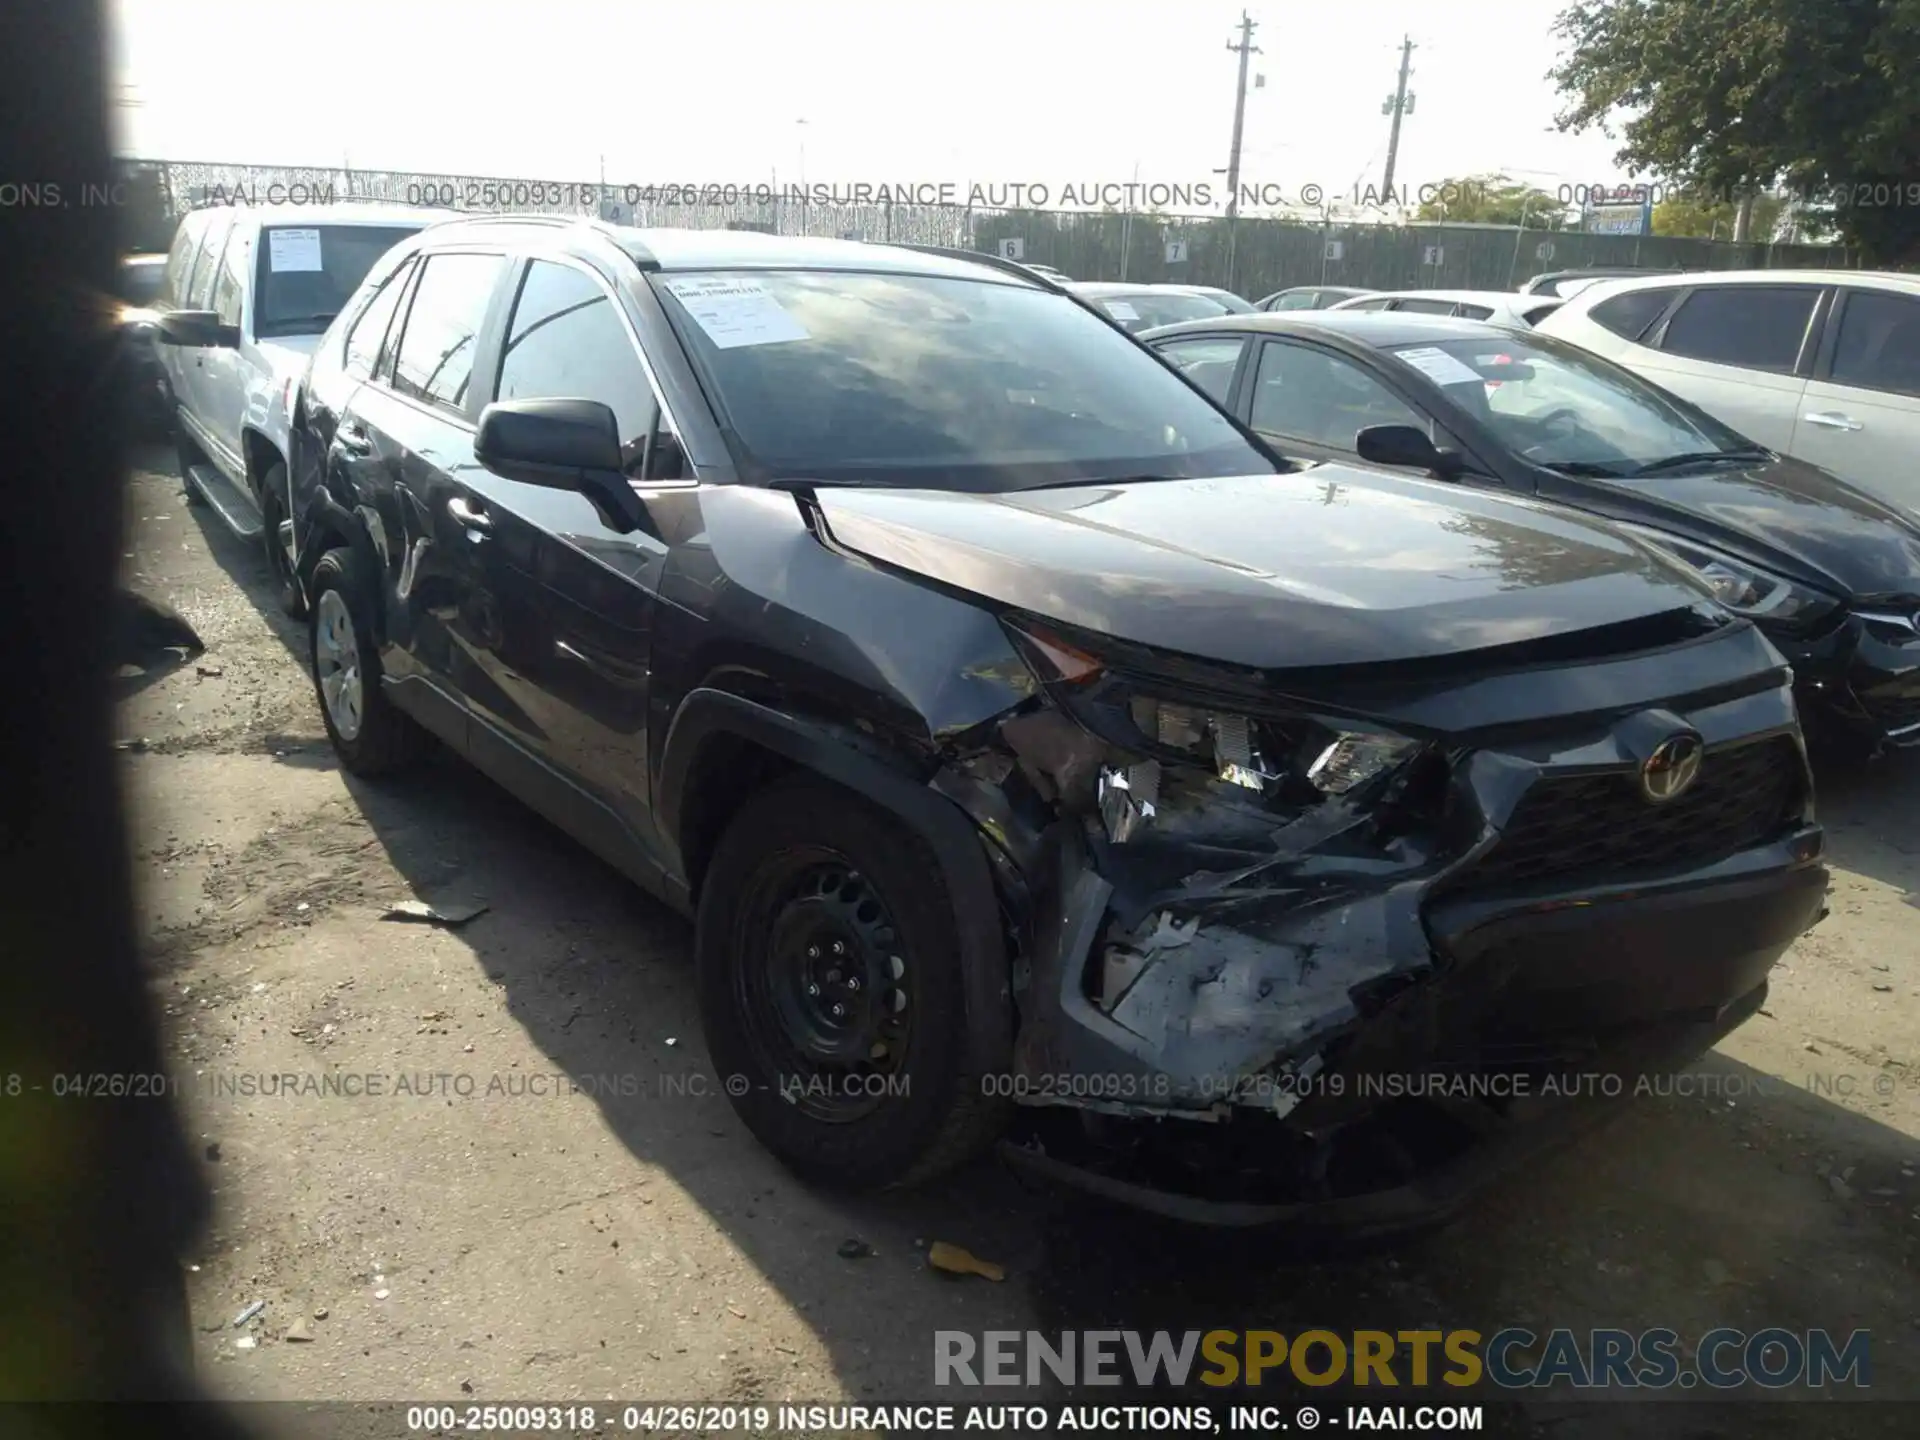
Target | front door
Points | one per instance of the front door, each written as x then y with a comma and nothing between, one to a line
578,594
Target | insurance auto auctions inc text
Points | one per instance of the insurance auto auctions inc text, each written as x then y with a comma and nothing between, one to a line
1510,1359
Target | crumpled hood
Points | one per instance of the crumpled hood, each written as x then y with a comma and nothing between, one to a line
1823,528
1328,566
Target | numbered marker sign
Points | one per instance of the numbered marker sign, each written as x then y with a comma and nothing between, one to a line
1433,255
1176,252
1336,249
1544,250
1013,248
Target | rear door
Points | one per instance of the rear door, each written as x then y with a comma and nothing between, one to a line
409,434
578,596
1737,351
1860,414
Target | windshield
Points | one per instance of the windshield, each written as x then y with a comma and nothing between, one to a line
307,272
1557,406
940,383
1145,309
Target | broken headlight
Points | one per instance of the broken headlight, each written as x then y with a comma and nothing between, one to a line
1256,754
1145,755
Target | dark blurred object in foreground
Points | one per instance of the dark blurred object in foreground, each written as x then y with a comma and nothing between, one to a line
98,1198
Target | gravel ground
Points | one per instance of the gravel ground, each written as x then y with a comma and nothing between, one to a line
481,1230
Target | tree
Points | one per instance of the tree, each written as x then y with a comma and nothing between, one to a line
1712,219
1735,97
1493,200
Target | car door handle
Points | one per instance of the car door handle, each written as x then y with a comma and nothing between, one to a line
467,515
1832,420
353,439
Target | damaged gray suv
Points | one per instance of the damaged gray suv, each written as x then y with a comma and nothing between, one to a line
1043,759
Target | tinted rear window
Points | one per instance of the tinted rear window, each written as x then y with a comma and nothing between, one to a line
1629,315
938,382
1757,327
306,273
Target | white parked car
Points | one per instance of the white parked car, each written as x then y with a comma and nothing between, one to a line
1822,365
1496,307
247,295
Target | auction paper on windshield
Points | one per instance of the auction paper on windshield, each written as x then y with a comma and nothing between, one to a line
736,312
1440,367
289,250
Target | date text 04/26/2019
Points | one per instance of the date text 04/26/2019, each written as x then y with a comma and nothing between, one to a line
643,1419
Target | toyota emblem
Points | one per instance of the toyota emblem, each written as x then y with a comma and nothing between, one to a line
1669,772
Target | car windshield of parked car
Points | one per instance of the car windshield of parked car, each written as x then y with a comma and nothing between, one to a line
1145,309
944,383
308,272
1560,408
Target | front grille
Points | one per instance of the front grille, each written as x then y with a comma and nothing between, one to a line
1598,828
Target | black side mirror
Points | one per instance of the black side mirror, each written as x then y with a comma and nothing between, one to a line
198,328
563,445
1408,446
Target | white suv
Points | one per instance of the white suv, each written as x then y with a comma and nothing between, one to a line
1822,365
247,295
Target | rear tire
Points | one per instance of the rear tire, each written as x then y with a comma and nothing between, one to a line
885,1096
369,734
273,514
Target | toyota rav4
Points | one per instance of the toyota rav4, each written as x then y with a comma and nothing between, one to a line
1031,744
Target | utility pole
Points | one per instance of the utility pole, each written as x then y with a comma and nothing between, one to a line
1397,106
1245,48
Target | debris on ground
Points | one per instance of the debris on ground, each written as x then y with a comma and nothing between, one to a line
855,1250
208,672
247,1314
298,1332
454,913
955,1261
320,1313
213,1150
245,1342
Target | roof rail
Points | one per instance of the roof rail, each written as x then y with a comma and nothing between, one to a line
980,257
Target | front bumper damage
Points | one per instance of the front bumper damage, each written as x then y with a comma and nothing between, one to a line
1242,1014
1864,673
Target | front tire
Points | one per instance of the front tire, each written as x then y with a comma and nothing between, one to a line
832,992
369,734
279,548
186,454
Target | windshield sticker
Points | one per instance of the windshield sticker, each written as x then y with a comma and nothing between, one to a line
1121,310
1440,367
293,250
736,312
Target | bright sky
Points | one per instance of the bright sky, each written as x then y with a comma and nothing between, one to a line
988,92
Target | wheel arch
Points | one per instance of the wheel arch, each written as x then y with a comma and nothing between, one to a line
722,747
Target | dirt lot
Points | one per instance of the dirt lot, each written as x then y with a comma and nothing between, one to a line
480,1230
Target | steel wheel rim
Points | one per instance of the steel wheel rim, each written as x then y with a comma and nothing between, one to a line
835,1069
336,664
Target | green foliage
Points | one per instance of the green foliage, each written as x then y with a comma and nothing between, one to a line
1711,219
1735,96
1494,200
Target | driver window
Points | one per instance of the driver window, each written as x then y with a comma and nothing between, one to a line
1318,397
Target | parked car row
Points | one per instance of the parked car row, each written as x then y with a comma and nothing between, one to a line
1021,722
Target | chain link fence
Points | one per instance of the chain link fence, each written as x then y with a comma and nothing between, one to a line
1253,255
